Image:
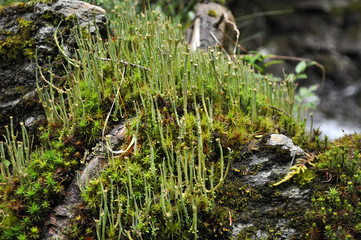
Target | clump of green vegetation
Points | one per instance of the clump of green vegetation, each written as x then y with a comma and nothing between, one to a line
33,182
336,205
212,13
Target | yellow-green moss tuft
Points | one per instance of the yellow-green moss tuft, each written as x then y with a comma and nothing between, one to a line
212,13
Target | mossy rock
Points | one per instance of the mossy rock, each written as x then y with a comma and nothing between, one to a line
27,39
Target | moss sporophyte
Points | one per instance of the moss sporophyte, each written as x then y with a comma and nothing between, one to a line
187,115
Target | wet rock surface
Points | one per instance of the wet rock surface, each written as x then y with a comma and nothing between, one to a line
28,31
270,212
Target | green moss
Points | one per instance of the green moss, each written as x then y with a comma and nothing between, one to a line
46,1
221,2
22,90
48,15
336,202
19,45
212,13
305,178
70,18
20,7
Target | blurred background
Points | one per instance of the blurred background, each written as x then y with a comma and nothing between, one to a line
327,31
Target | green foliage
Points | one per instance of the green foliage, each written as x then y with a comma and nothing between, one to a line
307,93
299,168
305,98
34,183
260,61
336,205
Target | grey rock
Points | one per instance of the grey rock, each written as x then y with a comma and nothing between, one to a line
270,212
85,13
285,143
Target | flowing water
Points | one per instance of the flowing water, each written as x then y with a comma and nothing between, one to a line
332,127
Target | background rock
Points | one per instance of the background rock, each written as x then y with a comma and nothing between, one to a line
213,25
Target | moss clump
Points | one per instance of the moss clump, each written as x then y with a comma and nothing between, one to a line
336,205
48,15
37,184
19,7
19,45
212,13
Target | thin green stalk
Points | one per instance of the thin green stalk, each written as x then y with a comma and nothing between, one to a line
254,105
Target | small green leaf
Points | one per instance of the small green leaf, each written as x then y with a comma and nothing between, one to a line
291,77
313,87
311,63
301,66
273,62
257,57
258,68
7,163
304,91
301,76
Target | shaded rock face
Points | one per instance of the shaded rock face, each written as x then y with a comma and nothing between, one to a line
269,212
28,29
327,31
